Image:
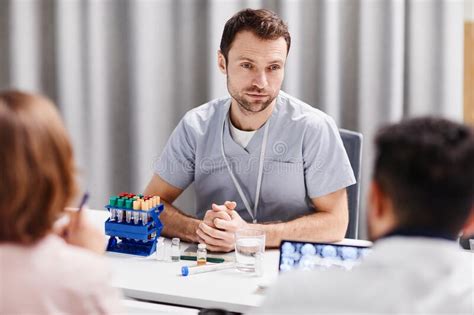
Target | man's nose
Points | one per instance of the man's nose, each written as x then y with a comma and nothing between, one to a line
260,80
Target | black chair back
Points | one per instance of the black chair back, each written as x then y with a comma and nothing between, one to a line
353,144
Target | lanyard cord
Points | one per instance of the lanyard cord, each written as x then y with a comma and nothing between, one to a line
260,172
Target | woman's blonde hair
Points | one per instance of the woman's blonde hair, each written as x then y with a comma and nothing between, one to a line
37,169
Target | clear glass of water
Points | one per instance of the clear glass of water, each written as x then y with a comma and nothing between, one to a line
249,250
471,244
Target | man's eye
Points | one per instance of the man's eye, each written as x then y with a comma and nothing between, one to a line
274,67
246,66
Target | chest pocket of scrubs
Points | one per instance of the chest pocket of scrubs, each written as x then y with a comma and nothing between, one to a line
283,189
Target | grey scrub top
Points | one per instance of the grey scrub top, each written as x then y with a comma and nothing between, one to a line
304,159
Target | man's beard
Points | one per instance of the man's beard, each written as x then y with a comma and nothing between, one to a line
249,107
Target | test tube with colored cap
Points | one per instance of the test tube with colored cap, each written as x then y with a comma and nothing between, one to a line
152,208
191,270
157,200
144,213
128,205
112,205
120,204
136,214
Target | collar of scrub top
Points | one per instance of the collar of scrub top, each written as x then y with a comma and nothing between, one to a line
253,214
417,232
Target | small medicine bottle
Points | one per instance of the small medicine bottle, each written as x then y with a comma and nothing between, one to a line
201,254
175,249
160,249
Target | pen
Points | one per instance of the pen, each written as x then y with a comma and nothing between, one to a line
83,201
209,259
76,214
190,270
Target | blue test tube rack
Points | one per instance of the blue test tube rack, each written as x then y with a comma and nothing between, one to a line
134,239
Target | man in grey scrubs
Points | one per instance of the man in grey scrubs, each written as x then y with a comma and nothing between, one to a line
259,158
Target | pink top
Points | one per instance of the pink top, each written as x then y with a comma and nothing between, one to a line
52,277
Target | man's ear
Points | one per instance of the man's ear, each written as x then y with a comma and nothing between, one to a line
468,228
221,64
375,200
381,216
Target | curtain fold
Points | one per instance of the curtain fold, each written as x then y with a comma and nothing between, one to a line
123,73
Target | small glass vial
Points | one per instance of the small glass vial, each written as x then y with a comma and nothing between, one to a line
201,254
175,249
160,249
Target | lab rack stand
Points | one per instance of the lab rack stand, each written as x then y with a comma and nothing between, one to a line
134,238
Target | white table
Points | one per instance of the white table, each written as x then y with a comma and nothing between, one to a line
148,279
144,308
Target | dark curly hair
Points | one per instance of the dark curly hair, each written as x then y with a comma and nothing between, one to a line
426,166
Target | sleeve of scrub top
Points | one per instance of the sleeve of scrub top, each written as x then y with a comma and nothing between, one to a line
326,165
176,163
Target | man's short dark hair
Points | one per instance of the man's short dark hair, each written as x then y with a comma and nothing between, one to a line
263,23
426,167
